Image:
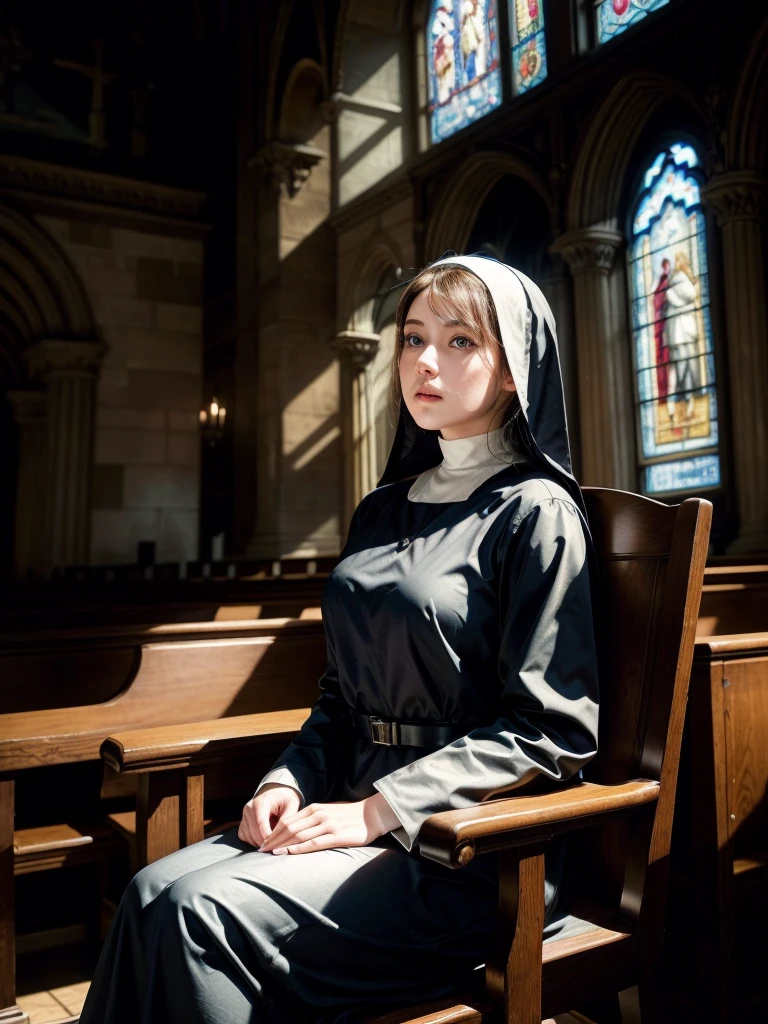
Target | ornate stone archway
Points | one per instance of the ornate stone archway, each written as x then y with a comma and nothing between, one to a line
51,359
593,246
460,200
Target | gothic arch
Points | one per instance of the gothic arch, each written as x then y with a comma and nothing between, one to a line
747,138
361,297
388,18
299,116
460,200
286,11
603,156
41,295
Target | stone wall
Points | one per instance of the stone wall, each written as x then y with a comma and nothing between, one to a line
145,291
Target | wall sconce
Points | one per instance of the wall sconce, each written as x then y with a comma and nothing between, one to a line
212,422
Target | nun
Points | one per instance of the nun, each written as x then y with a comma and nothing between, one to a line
461,666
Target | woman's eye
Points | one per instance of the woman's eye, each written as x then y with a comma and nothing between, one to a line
413,340
468,343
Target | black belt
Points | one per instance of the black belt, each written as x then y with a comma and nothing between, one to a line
405,734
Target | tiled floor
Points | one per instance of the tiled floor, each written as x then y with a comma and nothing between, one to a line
52,983
56,1004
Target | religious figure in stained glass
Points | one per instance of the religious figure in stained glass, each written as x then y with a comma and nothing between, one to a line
463,64
529,51
473,40
674,358
614,16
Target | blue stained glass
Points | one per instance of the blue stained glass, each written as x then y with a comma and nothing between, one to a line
463,64
529,48
614,16
671,323
683,475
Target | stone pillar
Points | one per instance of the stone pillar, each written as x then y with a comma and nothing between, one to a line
69,370
606,406
29,410
356,350
738,199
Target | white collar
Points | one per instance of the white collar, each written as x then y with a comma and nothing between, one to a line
467,463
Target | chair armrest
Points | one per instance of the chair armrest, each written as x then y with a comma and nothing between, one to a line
453,838
179,746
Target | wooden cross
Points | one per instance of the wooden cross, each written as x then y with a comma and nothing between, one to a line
99,78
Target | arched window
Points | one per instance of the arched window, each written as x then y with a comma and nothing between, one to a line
673,348
466,70
463,64
614,16
529,52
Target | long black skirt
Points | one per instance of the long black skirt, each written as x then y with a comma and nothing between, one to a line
219,933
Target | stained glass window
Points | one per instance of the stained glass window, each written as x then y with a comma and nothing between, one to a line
463,64
529,51
672,330
614,16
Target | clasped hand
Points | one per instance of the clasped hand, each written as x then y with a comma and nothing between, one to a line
273,822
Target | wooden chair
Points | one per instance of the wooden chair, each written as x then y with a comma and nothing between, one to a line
651,559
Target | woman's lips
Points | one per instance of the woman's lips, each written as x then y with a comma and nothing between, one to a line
428,398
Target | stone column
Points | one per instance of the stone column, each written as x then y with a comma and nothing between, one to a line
738,199
69,370
356,350
29,410
606,406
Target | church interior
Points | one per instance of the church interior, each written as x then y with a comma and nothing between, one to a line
208,211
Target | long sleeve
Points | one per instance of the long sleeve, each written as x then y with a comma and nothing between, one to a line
547,710
313,760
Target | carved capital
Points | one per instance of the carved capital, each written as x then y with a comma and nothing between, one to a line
286,165
589,250
55,358
355,348
29,407
737,195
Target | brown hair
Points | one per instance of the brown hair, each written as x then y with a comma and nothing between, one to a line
464,297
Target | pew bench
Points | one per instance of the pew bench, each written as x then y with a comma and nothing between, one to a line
41,609
273,669
727,782
734,599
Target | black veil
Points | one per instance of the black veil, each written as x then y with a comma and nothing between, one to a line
530,342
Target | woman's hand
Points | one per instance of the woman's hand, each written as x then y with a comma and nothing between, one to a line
328,826
263,812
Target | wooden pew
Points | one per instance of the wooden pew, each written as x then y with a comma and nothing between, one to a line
78,666
734,599
273,669
150,602
721,865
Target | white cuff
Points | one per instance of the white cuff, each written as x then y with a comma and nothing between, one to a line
282,777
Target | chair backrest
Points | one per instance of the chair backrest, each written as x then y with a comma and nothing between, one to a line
651,558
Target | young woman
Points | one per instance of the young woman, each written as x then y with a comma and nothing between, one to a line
461,665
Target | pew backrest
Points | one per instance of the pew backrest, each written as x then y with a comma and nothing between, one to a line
175,683
66,668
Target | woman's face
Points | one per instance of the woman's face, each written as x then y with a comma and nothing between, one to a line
449,382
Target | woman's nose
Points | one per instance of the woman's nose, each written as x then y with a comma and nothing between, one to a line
427,363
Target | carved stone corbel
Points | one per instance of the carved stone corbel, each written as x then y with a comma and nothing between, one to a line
287,165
